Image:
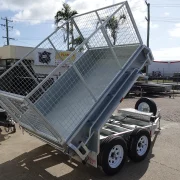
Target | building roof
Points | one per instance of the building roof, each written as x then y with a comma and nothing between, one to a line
14,52
173,61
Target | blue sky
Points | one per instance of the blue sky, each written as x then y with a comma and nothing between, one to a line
33,21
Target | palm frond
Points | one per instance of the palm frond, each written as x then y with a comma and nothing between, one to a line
63,15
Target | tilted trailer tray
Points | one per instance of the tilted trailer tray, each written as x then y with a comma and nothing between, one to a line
69,107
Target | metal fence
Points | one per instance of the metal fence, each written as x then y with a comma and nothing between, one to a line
59,102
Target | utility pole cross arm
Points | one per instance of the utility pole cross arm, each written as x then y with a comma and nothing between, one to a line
7,29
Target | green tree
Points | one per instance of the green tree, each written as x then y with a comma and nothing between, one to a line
77,41
63,15
113,25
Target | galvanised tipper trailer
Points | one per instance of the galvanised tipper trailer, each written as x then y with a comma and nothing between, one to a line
71,108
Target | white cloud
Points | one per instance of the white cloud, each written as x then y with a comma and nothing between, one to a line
38,11
166,14
152,25
167,54
17,32
175,32
138,7
35,10
53,26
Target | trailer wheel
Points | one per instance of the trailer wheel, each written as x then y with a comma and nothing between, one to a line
139,145
146,105
112,155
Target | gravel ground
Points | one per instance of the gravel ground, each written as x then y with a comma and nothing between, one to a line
23,157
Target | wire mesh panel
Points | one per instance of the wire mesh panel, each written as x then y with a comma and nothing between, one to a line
21,107
10,107
119,27
98,69
86,24
99,44
66,103
21,79
35,121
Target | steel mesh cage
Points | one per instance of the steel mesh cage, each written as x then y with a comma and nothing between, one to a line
56,105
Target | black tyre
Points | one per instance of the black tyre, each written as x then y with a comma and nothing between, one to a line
3,115
139,145
113,151
146,105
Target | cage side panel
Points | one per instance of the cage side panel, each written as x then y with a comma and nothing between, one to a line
18,80
102,71
59,53
59,89
10,107
68,101
101,66
123,53
35,121
21,107
26,115
88,23
62,103
120,28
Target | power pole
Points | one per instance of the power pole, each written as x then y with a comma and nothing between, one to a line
148,22
7,29
148,28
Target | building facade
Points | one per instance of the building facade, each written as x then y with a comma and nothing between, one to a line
42,60
164,68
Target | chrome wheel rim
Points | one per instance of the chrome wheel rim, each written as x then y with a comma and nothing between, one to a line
144,107
115,156
142,145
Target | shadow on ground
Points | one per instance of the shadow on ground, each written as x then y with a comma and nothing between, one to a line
3,137
45,162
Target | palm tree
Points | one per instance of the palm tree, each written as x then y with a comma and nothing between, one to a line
77,41
113,25
63,15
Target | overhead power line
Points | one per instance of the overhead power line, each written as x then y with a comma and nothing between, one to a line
170,6
29,39
166,18
24,42
166,4
7,29
33,20
169,21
